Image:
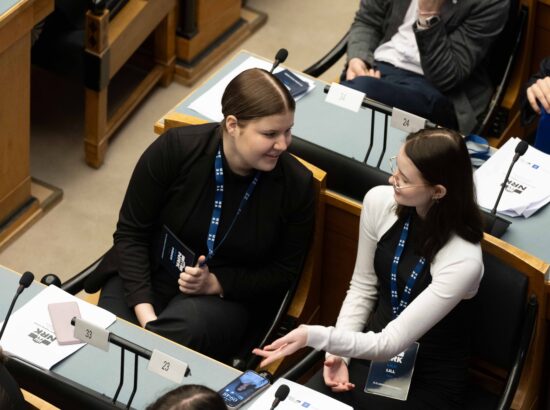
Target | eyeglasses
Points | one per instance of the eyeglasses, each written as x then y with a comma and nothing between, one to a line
398,185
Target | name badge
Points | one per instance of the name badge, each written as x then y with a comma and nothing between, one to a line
167,366
393,378
405,121
89,333
345,97
174,255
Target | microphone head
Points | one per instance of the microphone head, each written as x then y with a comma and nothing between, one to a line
521,148
282,392
26,279
281,55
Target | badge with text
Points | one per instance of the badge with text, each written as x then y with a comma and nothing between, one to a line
405,121
393,378
345,97
92,334
168,367
174,255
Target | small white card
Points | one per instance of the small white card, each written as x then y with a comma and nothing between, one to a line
92,334
405,121
345,97
167,366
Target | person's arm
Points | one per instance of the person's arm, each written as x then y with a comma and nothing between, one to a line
140,209
276,275
365,34
448,59
449,286
537,89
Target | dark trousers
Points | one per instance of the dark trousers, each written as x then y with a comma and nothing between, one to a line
407,91
207,324
421,395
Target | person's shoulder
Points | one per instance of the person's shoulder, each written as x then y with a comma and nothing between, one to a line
379,198
189,138
294,170
460,252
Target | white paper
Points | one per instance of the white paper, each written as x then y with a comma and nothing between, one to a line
345,97
30,336
209,103
528,189
299,398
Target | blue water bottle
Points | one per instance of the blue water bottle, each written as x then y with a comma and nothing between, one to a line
542,140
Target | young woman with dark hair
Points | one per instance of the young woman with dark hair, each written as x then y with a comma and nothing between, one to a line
418,263
249,253
189,397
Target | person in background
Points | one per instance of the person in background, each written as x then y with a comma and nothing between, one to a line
425,56
537,93
189,397
419,263
234,196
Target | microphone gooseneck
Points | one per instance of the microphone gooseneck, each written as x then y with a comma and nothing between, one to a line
24,283
280,57
280,395
521,148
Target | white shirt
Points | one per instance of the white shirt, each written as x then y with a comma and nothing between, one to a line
456,271
402,50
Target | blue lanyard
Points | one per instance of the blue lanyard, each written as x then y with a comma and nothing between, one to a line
218,202
399,306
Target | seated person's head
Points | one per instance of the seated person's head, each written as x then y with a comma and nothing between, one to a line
258,115
189,397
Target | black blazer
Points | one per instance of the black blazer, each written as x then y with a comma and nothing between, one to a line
164,189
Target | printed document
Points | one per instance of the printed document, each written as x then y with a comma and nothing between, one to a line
30,336
299,398
209,104
527,189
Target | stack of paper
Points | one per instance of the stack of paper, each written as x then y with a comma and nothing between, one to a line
30,335
527,189
299,397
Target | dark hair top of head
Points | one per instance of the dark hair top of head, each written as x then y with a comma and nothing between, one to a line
442,158
189,397
255,93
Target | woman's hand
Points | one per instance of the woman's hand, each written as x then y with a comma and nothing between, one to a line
198,280
539,92
335,373
284,346
145,313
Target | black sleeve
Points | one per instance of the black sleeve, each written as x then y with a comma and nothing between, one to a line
278,274
527,113
152,177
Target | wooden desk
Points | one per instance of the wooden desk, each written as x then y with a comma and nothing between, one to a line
17,18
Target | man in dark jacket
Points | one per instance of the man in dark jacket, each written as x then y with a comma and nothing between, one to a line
424,56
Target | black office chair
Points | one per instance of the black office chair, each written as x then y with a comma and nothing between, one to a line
500,63
504,325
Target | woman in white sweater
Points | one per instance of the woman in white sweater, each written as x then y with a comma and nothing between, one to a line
418,263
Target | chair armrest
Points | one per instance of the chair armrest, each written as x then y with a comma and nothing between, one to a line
76,283
527,333
328,60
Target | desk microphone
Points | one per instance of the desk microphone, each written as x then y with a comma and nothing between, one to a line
490,220
280,57
24,283
280,395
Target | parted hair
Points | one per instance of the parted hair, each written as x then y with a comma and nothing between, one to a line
442,158
255,93
189,397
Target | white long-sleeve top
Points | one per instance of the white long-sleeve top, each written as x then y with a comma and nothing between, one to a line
456,271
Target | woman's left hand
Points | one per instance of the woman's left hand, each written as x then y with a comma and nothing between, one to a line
284,346
198,280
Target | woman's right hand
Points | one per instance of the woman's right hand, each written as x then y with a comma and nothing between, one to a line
145,313
335,373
